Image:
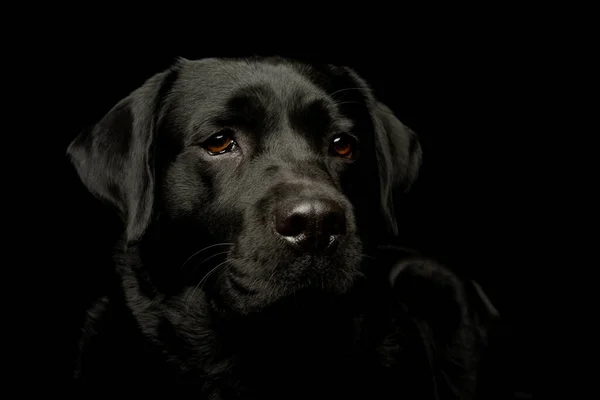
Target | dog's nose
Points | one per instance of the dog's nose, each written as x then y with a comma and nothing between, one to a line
310,224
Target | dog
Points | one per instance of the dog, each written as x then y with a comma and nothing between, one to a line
258,198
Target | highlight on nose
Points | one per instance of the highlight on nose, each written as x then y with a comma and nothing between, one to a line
312,225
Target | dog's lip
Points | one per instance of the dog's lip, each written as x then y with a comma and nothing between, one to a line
240,287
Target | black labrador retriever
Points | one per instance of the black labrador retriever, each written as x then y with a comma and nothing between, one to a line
255,195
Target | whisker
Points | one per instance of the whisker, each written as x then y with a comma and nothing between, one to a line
206,259
201,250
274,288
202,281
229,266
346,89
340,103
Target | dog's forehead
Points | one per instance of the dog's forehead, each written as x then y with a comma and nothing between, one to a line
218,79
205,88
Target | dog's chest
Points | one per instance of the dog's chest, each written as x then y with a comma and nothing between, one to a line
293,367
303,379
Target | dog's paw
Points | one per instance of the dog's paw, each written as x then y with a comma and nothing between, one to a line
430,292
440,321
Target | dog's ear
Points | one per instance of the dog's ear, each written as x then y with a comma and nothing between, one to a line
114,159
399,157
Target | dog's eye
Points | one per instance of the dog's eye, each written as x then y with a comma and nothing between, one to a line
343,146
220,143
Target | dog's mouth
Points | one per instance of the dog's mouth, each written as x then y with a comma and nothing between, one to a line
312,246
251,285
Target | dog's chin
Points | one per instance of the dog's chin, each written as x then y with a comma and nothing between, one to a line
305,284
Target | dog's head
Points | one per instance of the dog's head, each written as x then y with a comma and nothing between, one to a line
288,172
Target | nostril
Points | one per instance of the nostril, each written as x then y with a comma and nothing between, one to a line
291,222
310,223
334,222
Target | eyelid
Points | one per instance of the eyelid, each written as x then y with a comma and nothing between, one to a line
221,130
344,133
201,137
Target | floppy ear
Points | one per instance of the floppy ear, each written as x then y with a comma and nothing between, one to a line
399,159
114,158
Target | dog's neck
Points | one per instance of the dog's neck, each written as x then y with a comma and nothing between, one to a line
302,338
290,348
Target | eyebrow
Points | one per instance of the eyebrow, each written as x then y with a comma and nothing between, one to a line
319,115
243,108
247,106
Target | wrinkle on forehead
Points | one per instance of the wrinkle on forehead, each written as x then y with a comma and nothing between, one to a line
279,94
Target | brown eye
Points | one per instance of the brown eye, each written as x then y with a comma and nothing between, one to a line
220,143
343,145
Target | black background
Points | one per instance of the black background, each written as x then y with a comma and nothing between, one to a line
460,89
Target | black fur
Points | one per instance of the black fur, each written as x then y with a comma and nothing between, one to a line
205,293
